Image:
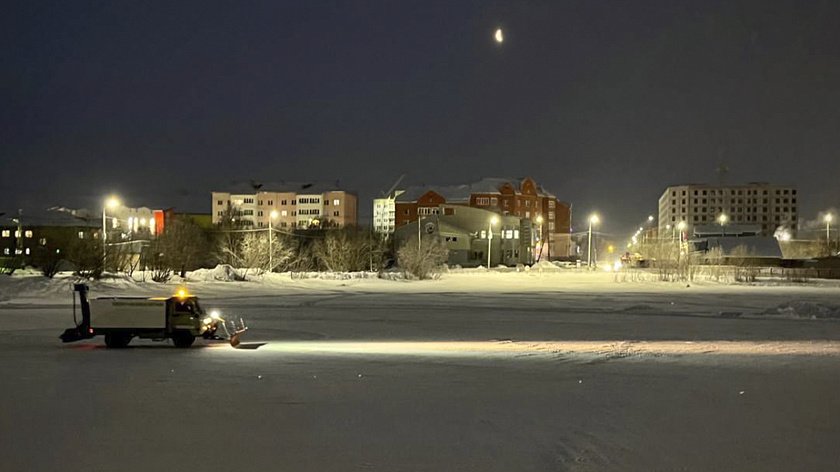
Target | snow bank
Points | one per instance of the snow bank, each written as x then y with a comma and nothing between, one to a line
220,273
806,309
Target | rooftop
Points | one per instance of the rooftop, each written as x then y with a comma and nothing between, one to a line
55,216
462,192
252,187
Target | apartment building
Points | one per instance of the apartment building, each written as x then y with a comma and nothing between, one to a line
759,204
522,198
303,206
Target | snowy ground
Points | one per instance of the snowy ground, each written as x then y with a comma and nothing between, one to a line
475,371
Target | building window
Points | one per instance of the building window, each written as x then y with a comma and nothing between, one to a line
335,213
283,202
294,202
259,213
271,203
508,234
6,233
220,202
527,203
336,202
551,215
259,202
6,251
42,241
282,224
494,201
248,212
551,226
506,203
551,203
527,214
248,200
81,235
284,213
516,234
483,234
482,201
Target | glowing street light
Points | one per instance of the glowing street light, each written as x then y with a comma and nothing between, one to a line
272,217
722,219
493,221
593,220
828,218
650,218
499,36
111,202
540,222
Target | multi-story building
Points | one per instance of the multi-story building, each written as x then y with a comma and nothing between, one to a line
23,234
385,213
295,206
756,204
470,236
521,198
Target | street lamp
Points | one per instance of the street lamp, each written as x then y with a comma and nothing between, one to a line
540,222
722,219
111,202
493,221
271,219
593,220
827,218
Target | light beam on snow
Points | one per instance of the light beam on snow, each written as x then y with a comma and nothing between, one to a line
620,348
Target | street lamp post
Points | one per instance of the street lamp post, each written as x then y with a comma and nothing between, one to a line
540,222
827,220
722,219
493,221
592,220
271,219
110,203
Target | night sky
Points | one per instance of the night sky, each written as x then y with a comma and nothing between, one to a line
603,102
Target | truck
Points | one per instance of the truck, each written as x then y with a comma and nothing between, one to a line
180,318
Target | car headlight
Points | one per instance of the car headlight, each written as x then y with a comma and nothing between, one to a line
214,314
208,320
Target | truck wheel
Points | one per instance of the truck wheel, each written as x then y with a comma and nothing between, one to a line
182,339
117,340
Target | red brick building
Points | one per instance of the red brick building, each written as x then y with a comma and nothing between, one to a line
515,197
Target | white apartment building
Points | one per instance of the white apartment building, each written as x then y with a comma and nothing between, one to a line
756,203
385,213
295,206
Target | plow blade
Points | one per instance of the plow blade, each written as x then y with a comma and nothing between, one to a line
234,331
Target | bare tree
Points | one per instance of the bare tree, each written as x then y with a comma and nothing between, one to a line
185,245
350,249
86,256
424,261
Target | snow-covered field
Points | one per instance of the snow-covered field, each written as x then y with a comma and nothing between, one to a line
474,371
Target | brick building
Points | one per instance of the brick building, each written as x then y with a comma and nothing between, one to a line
522,198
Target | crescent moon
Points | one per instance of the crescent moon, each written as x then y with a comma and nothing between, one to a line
499,37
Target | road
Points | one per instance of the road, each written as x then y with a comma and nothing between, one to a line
335,381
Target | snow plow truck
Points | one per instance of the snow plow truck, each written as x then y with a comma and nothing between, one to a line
120,319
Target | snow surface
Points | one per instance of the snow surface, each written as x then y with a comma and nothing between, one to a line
484,371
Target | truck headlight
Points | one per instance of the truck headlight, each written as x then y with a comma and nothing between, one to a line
214,314
208,320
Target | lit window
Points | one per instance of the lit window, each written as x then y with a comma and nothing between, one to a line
335,213
336,202
483,234
17,234
284,213
551,226
6,233
527,214
6,251
42,241
81,235
516,234
27,251
508,234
